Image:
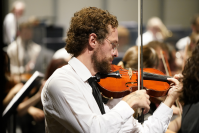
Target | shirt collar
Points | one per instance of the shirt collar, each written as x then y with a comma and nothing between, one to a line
80,69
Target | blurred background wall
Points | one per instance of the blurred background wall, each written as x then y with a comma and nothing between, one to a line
174,13
56,14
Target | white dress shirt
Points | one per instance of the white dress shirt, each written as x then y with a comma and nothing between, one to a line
70,107
9,28
17,52
183,42
148,37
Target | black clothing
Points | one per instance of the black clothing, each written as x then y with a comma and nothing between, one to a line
190,119
96,93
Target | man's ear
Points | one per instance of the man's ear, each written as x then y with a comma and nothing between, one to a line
92,40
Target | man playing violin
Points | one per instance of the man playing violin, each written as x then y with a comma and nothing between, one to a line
72,105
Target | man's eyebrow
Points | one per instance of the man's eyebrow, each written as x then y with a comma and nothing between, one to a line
114,41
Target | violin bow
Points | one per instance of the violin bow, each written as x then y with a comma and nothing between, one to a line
168,73
165,63
140,59
185,55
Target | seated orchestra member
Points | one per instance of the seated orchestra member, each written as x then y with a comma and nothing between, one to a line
162,51
187,52
183,42
156,31
12,87
124,39
11,20
72,103
130,59
186,45
34,121
30,116
188,122
23,51
167,59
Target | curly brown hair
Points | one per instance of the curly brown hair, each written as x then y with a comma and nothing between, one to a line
191,79
87,21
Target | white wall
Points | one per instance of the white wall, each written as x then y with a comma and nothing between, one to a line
179,12
175,12
39,8
67,8
127,10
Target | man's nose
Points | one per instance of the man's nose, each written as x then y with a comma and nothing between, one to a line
115,53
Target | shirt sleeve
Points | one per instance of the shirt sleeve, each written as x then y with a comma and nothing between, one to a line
157,123
10,27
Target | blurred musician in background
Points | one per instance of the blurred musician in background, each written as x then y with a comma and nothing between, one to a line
23,51
183,42
156,31
130,58
10,24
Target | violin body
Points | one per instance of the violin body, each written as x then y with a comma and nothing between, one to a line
126,82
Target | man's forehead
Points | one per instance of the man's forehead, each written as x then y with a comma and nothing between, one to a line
111,29
112,32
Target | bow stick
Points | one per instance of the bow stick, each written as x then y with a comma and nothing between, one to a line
140,59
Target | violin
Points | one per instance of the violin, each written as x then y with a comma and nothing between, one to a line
121,82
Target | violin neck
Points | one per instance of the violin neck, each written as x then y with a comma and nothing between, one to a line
152,76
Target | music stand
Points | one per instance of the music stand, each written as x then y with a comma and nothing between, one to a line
18,98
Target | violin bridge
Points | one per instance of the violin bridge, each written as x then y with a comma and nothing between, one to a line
130,73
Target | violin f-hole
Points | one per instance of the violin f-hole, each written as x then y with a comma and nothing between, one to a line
129,83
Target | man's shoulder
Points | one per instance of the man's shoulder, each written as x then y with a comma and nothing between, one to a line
181,43
184,39
65,72
9,18
64,76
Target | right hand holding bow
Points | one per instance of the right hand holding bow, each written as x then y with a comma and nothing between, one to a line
138,99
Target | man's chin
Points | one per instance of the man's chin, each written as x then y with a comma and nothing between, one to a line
105,68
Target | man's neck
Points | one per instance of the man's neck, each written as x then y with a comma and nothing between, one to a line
87,61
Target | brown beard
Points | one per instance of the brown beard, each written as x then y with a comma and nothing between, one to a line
102,66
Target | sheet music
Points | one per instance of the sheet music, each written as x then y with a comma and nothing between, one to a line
22,90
